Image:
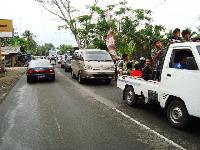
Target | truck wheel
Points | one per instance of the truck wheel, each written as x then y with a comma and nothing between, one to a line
177,114
73,75
130,97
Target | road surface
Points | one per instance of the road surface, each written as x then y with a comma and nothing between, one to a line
66,115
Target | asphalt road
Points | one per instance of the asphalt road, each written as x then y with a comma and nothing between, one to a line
66,115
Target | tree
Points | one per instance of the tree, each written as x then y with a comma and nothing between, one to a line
64,48
31,45
64,10
44,49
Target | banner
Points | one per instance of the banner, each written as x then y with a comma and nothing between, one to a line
107,16
110,42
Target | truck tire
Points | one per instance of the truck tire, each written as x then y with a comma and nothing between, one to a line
177,114
130,97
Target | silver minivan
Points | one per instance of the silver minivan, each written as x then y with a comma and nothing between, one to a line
92,64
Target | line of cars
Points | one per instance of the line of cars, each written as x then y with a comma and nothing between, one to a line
85,64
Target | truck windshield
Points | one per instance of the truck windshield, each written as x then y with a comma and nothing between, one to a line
198,49
97,56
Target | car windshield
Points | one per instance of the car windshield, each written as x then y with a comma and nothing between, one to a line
198,49
39,63
97,56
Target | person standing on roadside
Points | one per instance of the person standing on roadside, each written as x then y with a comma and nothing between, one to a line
176,36
158,55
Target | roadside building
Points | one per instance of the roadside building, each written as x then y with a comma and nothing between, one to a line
9,54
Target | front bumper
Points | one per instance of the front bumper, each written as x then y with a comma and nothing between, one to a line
87,74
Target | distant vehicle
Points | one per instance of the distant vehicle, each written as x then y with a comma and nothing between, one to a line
92,64
178,90
52,54
40,69
62,63
68,63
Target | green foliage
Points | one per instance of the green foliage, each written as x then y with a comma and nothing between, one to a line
44,49
64,48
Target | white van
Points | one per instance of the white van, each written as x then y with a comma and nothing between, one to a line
92,64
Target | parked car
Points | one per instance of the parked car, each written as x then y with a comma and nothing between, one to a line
40,69
92,64
178,90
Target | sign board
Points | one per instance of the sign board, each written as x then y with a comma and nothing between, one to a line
6,28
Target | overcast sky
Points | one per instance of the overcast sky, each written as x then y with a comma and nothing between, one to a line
28,15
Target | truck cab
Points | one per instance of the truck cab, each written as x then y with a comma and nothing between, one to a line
177,91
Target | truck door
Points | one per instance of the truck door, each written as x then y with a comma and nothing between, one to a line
181,78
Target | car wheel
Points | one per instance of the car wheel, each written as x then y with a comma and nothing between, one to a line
177,114
80,79
66,70
130,97
73,75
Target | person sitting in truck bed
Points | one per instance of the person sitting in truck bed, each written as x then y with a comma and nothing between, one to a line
129,68
136,72
122,64
147,71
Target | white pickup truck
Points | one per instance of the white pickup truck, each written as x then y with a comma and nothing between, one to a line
178,90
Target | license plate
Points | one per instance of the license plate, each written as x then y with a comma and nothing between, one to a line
41,76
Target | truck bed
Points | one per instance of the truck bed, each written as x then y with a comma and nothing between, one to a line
140,86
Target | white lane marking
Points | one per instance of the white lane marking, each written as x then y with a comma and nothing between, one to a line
149,129
58,125
108,103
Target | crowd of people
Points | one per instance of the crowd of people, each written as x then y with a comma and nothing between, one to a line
150,68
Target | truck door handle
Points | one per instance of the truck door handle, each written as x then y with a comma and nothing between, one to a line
169,75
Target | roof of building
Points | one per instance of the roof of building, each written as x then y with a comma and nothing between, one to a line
10,50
